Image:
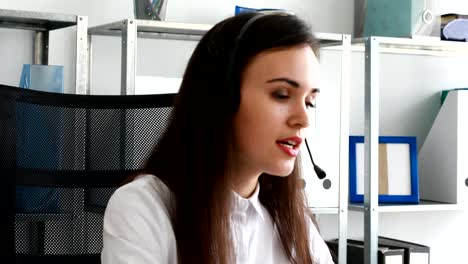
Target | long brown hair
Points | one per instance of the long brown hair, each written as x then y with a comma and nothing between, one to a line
194,157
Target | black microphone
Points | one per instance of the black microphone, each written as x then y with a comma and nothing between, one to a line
320,173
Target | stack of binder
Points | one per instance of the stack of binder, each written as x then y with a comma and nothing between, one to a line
390,251
414,253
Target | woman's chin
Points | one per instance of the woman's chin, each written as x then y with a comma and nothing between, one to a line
282,172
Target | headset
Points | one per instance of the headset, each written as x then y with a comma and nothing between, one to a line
318,171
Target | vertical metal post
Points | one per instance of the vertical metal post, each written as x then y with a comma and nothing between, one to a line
41,48
81,77
129,41
344,148
129,64
90,64
81,87
371,131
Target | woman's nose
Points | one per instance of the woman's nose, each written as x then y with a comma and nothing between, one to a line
300,116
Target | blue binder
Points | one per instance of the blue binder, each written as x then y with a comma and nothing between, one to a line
38,139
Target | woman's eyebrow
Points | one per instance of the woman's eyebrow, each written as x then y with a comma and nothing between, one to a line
286,80
292,83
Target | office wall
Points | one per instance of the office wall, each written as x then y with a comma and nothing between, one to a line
411,84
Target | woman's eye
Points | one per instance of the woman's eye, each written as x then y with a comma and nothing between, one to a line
280,95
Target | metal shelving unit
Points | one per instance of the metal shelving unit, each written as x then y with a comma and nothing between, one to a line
129,30
373,47
42,24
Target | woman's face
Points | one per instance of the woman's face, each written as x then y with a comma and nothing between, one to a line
278,88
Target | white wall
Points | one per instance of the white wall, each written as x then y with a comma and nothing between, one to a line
409,87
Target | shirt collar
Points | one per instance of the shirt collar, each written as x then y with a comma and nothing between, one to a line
243,204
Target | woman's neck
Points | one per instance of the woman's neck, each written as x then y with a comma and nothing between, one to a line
246,187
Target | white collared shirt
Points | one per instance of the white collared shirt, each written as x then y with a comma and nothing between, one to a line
138,229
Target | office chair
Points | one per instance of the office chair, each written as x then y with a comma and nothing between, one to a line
61,158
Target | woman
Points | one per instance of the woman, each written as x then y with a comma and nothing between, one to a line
222,186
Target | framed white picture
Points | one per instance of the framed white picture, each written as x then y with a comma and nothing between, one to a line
398,169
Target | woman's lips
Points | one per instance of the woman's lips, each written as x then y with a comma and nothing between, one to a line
292,151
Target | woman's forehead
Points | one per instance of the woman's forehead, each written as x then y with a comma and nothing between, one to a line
298,63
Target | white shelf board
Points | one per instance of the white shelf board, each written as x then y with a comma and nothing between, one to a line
38,21
431,46
324,210
421,207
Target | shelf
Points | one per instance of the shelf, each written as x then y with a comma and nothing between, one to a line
423,206
324,210
429,46
154,29
182,31
129,30
37,21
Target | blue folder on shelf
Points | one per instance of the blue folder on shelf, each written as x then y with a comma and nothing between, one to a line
38,142
242,9
46,78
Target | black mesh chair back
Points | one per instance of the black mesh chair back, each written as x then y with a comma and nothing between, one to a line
62,156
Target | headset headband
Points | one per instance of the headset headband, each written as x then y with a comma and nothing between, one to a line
245,27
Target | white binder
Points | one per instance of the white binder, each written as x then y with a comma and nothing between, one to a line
443,158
